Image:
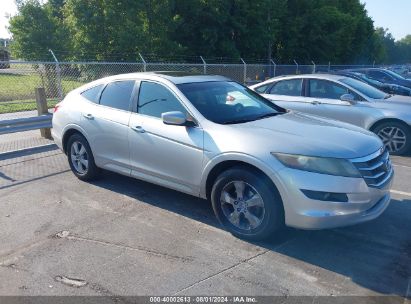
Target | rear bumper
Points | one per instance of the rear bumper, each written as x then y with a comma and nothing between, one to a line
57,139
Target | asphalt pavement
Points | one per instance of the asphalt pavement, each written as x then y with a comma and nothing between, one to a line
119,236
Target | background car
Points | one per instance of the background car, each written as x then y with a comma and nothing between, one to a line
384,76
386,87
261,166
346,99
400,69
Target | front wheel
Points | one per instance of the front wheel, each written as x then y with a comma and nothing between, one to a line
395,136
247,204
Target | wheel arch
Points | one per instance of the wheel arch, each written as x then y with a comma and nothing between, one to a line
215,168
385,120
70,130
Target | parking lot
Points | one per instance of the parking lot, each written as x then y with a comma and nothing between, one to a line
119,236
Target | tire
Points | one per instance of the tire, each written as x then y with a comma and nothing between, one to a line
396,137
246,218
81,158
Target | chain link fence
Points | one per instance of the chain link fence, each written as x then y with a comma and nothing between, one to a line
18,79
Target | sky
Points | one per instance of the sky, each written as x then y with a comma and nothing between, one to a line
392,14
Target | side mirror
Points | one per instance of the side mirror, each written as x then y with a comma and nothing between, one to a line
175,118
348,98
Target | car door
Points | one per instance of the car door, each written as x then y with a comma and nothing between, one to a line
324,96
165,154
288,94
106,124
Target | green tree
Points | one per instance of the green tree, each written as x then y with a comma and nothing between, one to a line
324,30
339,31
120,29
231,28
35,30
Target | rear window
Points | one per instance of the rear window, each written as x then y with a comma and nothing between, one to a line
262,88
92,94
290,87
117,95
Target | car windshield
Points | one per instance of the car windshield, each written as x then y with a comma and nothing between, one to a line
395,75
227,102
364,88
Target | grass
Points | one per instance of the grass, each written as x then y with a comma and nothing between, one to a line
23,105
17,91
20,87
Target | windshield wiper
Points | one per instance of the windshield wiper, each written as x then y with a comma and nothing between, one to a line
387,96
268,115
236,121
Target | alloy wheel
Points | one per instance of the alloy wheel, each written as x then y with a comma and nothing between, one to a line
394,138
242,205
79,157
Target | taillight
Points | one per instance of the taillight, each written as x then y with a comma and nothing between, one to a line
57,106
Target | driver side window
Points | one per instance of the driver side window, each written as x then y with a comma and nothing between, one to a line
155,99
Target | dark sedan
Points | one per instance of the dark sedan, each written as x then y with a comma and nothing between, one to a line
385,87
384,76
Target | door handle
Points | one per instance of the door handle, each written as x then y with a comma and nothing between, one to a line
88,116
316,102
138,129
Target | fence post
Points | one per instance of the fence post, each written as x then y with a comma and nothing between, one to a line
314,66
275,66
42,109
245,70
329,66
296,71
144,63
204,64
60,89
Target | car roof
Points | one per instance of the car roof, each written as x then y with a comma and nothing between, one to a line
366,69
175,77
325,76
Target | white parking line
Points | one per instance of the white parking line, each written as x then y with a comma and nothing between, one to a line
400,192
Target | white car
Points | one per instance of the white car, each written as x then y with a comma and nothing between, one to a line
261,166
345,99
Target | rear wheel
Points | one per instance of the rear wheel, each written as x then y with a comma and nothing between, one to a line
396,137
246,204
81,158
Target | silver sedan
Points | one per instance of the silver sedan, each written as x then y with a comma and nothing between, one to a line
348,100
261,166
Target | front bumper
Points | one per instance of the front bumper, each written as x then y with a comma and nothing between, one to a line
364,203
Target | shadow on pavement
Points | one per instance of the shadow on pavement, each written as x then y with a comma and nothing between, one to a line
375,255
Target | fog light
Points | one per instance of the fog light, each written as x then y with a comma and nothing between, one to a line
326,196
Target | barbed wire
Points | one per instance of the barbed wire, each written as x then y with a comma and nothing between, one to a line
134,56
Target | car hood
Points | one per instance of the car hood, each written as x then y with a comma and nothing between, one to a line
298,133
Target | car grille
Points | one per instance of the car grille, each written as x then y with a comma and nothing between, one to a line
376,169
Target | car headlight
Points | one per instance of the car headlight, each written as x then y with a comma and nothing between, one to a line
323,165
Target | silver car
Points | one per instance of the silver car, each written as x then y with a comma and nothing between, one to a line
346,99
261,166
